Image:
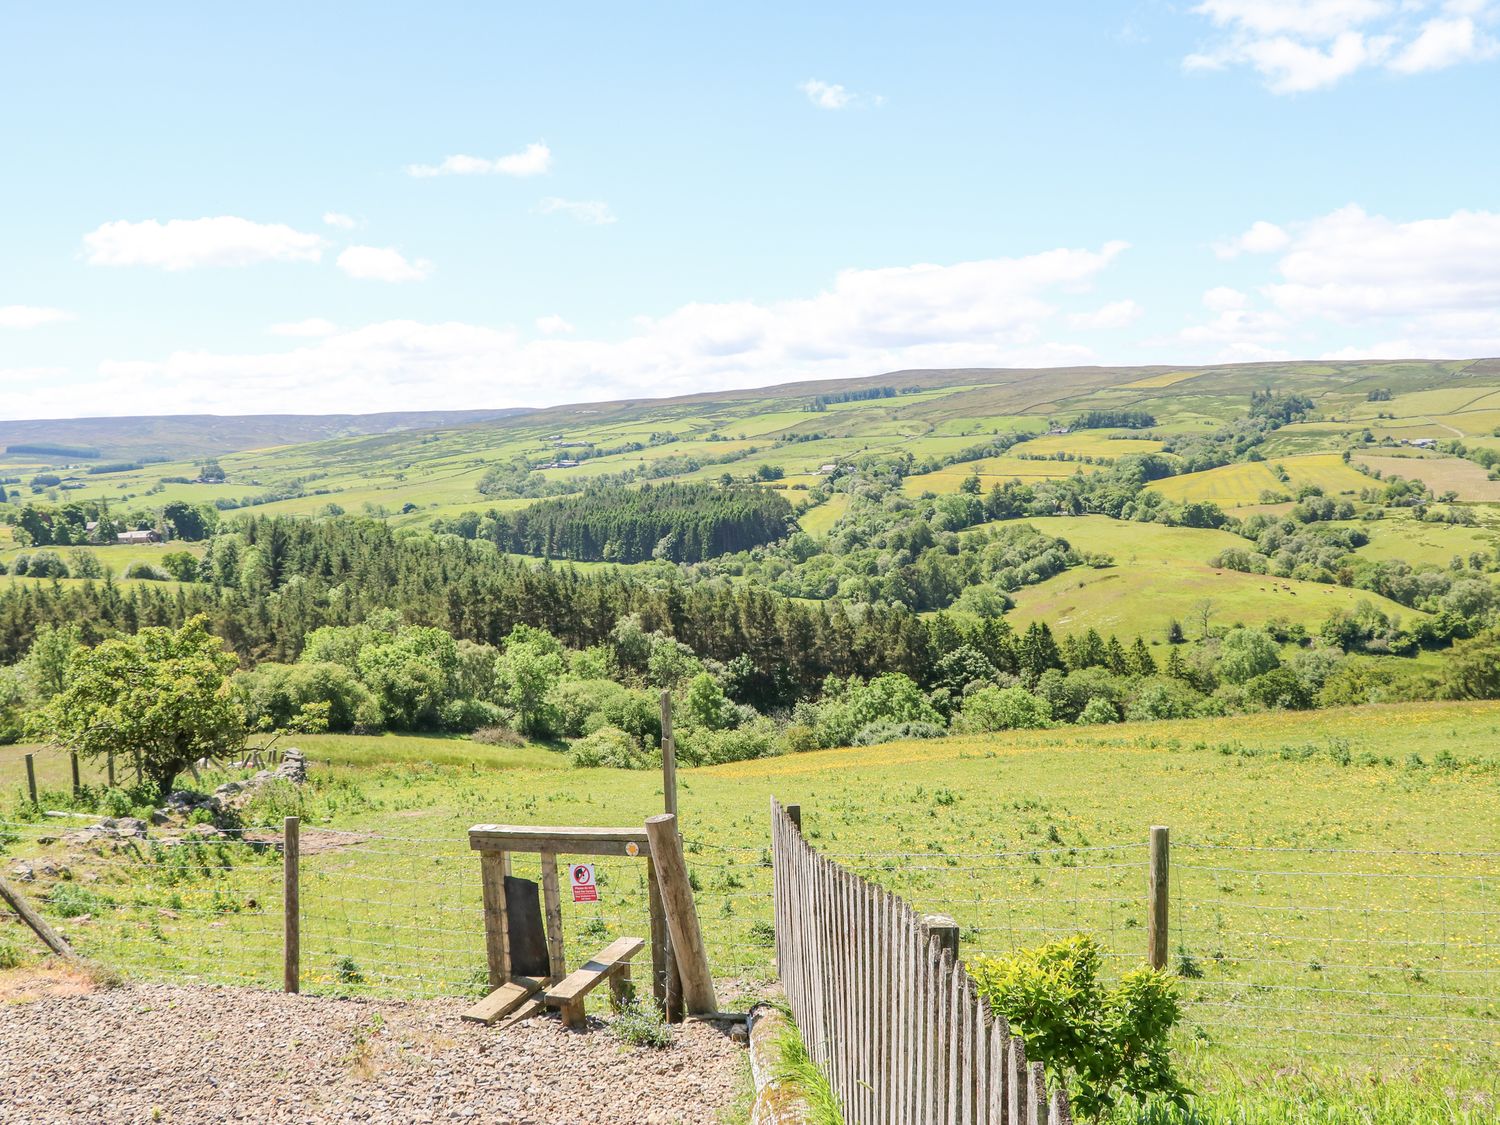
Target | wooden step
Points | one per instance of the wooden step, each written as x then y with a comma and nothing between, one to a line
612,964
505,999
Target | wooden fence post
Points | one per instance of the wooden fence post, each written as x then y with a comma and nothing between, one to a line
682,916
945,929
291,897
109,759
1157,925
77,785
794,814
668,756
31,777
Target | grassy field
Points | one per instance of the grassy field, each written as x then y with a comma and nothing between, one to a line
1327,925
1441,474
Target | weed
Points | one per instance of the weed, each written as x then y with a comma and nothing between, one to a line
641,1025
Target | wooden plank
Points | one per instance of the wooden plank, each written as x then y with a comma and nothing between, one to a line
582,980
682,915
504,1000
1156,926
493,868
552,909
524,1012
291,900
39,925
561,840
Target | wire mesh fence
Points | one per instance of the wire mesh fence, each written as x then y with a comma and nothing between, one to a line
381,914
1374,955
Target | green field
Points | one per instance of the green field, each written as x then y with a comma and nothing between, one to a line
1321,886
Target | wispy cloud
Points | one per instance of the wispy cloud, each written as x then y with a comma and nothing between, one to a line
533,160
593,211
382,263
31,316
181,244
833,95
990,312
339,219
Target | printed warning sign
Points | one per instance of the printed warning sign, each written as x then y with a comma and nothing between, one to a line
584,887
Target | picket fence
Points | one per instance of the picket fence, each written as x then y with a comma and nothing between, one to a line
885,1007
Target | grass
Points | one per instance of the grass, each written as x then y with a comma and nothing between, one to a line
796,1068
1000,831
1441,474
1139,596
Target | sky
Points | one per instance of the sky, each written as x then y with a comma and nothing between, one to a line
329,208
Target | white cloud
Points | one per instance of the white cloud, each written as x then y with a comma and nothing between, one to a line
832,95
1261,238
1116,314
1301,45
339,219
533,160
553,325
1222,298
312,326
382,263
593,211
1428,287
31,316
1445,42
983,313
1353,266
181,244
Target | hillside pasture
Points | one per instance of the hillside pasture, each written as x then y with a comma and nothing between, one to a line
1441,474
1142,597
1332,926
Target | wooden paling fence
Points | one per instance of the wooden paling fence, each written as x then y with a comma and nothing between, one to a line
885,1007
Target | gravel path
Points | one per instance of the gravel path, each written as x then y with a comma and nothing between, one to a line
160,1053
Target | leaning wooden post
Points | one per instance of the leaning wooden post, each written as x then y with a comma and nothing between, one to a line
291,897
682,916
50,937
31,777
794,814
77,784
668,755
1156,929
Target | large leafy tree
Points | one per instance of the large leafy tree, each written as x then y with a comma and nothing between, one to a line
160,698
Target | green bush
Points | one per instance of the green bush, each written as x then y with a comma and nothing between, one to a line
1101,1043
641,1025
612,747
1002,708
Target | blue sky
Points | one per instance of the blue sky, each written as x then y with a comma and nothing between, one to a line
315,208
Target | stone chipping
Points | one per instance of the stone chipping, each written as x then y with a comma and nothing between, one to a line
168,1053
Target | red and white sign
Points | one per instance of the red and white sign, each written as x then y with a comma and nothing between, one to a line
584,887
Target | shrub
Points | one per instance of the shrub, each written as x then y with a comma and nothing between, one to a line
465,715
497,736
873,734
997,708
641,1025
1099,1042
609,746
147,572
1099,710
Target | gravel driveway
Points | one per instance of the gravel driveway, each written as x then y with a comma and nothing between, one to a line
143,1053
